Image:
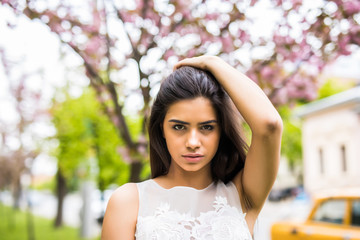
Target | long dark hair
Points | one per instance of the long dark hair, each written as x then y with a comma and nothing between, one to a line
189,83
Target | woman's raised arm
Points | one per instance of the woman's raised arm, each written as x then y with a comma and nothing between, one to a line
263,156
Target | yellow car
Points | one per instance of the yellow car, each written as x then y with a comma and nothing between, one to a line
334,216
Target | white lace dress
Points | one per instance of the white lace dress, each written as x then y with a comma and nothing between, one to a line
185,213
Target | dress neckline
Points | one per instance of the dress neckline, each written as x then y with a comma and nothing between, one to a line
183,187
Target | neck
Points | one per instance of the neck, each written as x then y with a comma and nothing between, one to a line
198,180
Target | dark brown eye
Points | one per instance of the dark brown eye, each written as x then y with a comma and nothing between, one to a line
207,127
179,127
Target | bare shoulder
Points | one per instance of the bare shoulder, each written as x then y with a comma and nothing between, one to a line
125,199
127,193
121,213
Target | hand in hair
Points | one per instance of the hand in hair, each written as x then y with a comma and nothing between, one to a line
201,62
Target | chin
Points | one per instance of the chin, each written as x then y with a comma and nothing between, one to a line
194,168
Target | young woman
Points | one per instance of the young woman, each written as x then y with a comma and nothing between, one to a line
206,183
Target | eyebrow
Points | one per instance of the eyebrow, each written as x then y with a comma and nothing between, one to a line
186,123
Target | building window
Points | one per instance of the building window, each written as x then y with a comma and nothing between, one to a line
321,160
343,158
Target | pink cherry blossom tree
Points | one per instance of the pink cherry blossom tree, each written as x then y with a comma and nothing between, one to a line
111,35
20,142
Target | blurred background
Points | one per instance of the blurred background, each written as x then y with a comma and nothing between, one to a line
77,79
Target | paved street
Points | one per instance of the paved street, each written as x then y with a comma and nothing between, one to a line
296,210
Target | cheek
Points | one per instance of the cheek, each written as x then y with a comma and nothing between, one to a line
172,141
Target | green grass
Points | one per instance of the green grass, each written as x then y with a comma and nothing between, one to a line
13,226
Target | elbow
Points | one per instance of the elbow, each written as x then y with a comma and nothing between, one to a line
272,127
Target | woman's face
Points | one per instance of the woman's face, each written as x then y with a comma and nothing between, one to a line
192,134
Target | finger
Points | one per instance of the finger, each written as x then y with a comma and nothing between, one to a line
181,63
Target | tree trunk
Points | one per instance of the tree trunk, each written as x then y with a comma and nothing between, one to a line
61,191
17,193
135,170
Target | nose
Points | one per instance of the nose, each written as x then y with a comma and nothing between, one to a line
193,140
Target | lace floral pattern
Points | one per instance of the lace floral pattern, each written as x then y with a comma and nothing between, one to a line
224,222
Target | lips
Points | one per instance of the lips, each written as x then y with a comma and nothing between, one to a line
193,157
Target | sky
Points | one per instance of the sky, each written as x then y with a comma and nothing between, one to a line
38,49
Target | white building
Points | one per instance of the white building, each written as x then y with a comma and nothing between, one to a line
331,141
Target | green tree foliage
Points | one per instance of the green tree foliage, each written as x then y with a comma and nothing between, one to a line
88,142
291,147
333,86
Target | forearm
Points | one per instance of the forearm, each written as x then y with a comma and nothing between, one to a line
250,100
